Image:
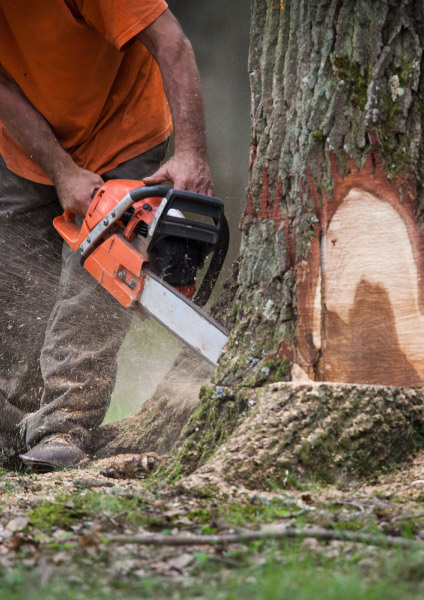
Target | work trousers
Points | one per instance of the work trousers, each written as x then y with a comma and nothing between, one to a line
60,330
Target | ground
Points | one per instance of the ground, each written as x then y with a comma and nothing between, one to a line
58,537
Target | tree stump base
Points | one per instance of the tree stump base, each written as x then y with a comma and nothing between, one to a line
330,432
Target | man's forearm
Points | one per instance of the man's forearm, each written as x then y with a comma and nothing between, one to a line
174,55
31,130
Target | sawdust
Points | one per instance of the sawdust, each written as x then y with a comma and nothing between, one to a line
157,426
29,282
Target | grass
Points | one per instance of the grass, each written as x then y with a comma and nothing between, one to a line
240,514
285,571
68,510
66,557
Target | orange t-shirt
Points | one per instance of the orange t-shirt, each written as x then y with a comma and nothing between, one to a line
102,96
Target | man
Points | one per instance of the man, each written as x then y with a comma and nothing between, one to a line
84,93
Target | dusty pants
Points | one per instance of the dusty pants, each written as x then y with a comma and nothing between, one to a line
60,330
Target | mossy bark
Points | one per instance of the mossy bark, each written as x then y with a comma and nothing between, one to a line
327,432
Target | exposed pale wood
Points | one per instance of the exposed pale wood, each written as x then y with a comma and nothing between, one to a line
374,325
361,299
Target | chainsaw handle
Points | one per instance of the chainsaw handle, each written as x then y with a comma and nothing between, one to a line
66,226
68,216
149,191
213,236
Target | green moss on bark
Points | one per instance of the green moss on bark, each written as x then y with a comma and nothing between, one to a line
220,411
328,432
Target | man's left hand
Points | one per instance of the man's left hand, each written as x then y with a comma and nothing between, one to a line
186,172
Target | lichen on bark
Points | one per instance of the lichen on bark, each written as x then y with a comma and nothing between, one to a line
220,411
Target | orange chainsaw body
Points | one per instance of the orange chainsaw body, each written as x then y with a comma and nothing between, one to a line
114,262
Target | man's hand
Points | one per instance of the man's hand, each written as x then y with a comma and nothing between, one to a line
186,172
75,188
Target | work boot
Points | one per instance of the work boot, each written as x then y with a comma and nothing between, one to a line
53,452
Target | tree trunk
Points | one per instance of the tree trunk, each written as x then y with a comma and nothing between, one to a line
330,277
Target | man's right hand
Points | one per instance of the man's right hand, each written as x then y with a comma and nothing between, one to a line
75,188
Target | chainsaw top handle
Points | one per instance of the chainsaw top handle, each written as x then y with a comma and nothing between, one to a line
168,222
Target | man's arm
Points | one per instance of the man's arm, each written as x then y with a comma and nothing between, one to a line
188,168
30,129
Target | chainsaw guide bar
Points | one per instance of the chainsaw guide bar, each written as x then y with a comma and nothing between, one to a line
186,321
144,245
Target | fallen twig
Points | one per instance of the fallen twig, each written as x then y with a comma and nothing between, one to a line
419,515
412,484
358,507
275,534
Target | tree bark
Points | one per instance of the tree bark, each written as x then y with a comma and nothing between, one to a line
329,287
330,282
331,432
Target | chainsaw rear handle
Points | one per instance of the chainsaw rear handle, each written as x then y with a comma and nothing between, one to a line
68,228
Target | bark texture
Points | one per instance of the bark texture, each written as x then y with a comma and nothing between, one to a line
330,432
331,257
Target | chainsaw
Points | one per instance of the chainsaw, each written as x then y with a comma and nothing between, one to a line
144,245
